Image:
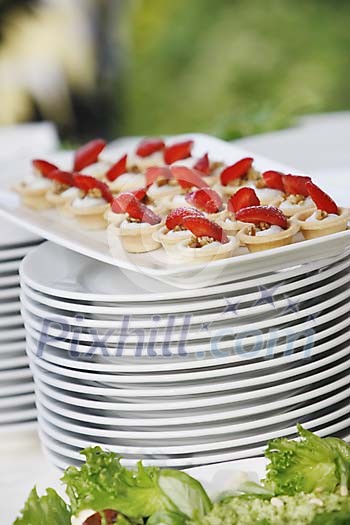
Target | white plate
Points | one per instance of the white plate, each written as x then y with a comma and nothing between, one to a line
15,253
271,366
17,402
18,415
11,266
17,346
86,370
261,341
71,421
73,453
74,439
14,235
16,388
65,391
12,335
61,273
14,375
8,321
14,362
9,280
56,327
9,293
219,315
64,351
47,225
10,306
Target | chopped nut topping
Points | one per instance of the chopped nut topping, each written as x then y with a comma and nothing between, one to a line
131,219
94,192
296,199
260,183
199,242
58,187
320,215
258,227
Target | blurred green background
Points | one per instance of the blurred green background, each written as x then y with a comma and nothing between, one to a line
226,67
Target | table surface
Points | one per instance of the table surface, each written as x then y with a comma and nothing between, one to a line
318,145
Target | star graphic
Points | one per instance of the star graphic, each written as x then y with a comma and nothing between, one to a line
231,307
291,308
205,326
267,295
312,317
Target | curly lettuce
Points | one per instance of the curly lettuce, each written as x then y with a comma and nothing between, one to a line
103,483
49,509
308,465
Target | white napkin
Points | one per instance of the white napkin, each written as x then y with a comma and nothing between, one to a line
27,140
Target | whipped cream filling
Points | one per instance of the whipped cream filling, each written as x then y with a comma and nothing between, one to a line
314,217
129,180
177,233
159,191
97,169
36,182
88,202
270,231
72,192
267,194
179,201
287,205
210,246
189,162
127,225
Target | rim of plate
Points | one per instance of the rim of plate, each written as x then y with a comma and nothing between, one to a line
113,402
18,415
63,418
297,294
196,347
9,307
17,401
9,280
35,259
13,362
16,253
114,337
61,434
11,266
11,320
60,348
11,234
194,376
178,462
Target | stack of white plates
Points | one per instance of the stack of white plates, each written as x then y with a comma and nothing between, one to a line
184,377
17,407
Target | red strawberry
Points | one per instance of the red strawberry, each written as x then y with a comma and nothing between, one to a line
149,146
63,177
140,194
203,165
86,183
268,214
323,201
243,198
155,173
178,151
187,177
127,203
203,227
205,199
88,154
236,171
295,184
43,167
117,169
177,216
273,179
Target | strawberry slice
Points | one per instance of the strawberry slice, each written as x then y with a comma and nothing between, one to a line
43,167
155,173
322,200
178,151
273,179
268,214
243,198
117,169
140,194
88,154
87,183
295,184
176,217
205,199
236,171
203,227
203,165
127,203
149,146
187,177
63,177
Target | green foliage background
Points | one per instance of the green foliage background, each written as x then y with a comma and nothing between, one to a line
231,67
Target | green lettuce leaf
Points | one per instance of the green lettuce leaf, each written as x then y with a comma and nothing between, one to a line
185,492
307,465
167,517
332,518
103,483
49,509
